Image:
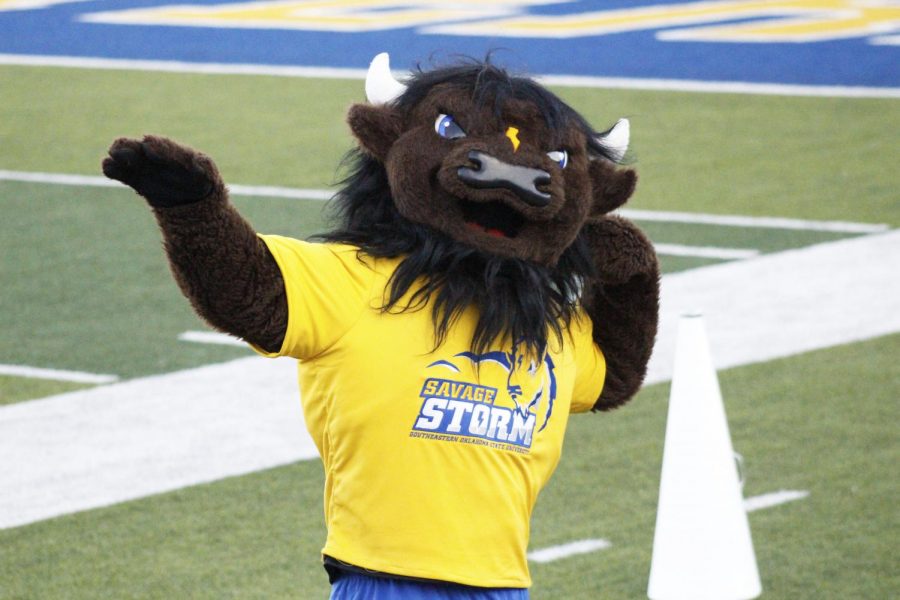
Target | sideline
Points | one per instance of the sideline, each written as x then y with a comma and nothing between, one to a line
93,448
56,374
123,441
665,85
264,191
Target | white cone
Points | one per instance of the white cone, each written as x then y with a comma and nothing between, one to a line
702,548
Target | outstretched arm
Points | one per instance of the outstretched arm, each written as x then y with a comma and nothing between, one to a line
220,264
623,303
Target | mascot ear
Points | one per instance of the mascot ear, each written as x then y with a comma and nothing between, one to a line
375,127
612,187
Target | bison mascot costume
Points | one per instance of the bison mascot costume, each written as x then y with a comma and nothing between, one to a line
474,292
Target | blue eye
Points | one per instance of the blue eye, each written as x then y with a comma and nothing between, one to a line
560,157
446,127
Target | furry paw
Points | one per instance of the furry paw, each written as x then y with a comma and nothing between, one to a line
621,251
162,171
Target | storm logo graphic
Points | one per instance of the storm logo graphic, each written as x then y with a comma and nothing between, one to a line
456,409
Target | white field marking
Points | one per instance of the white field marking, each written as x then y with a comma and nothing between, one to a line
720,87
755,503
172,66
127,440
211,337
553,553
754,222
706,251
885,40
132,439
32,4
637,215
56,374
58,179
773,499
631,83
280,192
786,303
97,181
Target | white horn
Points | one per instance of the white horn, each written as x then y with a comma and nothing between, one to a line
616,139
381,87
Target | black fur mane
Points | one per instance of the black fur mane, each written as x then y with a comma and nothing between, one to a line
524,301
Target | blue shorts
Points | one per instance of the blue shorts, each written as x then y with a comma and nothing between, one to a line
356,586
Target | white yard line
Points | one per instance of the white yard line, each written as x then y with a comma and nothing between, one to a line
211,337
56,374
58,179
785,303
126,440
265,191
637,215
756,222
720,87
174,66
885,40
773,499
674,85
554,553
706,251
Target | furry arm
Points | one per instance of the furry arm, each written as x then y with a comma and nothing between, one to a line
220,264
623,303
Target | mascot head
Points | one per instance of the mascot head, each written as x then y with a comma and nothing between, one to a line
484,181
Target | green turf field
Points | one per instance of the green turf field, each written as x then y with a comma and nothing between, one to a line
86,287
810,158
801,423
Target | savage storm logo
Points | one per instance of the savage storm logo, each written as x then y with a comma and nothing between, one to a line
508,416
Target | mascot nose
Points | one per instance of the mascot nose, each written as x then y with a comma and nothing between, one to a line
490,172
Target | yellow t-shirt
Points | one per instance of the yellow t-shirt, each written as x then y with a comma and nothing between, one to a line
433,458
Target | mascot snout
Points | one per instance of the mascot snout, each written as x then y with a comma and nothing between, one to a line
493,173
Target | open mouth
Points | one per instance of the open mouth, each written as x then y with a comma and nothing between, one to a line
493,218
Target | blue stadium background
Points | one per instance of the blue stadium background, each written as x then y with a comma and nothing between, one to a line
56,30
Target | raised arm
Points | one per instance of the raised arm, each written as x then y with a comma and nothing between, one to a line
623,303
220,264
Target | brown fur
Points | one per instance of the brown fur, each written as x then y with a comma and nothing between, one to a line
220,264
623,303
612,187
376,128
226,271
